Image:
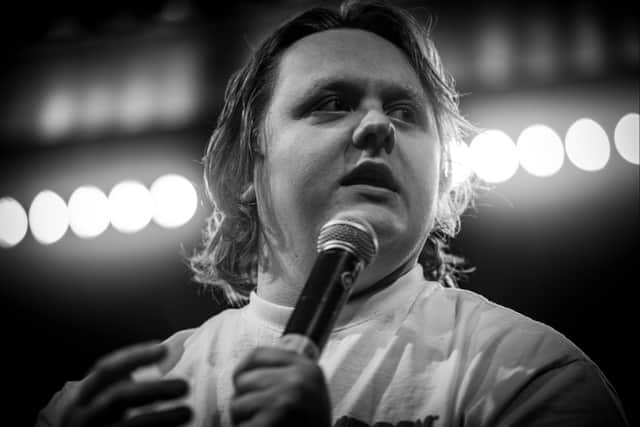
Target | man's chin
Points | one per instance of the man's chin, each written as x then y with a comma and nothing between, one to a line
386,222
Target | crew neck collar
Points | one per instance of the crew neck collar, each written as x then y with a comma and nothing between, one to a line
398,295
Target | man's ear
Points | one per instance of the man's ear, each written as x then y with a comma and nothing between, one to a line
249,194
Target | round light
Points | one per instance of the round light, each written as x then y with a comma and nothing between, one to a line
130,206
13,222
58,113
587,145
627,137
175,200
179,93
98,107
88,212
138,103
460,163
494,157
48,217
540,150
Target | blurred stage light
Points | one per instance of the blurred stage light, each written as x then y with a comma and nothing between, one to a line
587,145
58,114
88,212
627,137
460,163
138,103
175,200
540,150
48,217
494,156
130,206
179,92
13,222
588,47
98,107
495,51
541,46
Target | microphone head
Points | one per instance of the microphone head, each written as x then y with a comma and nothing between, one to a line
351,234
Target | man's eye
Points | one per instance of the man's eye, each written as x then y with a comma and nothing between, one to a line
404,113
332,104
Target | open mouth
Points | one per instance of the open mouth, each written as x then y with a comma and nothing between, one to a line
372,174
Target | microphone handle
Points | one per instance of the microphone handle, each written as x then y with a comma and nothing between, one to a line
322,298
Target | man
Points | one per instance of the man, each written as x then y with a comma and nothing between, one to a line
338,112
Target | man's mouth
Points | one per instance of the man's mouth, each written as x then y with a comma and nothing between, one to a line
371,174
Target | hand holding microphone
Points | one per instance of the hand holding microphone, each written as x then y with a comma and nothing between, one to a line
284,385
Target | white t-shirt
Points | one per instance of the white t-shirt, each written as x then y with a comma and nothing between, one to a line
414,354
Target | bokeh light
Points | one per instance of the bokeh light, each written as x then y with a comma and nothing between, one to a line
494,156
175,200
627,137
130,206
138,101
13,222
88,212
97,107
587,145
48,217
460,163
179,90
58,113
540,150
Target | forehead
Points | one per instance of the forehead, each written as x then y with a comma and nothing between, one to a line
346,54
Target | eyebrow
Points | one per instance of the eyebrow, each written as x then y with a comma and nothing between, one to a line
389,90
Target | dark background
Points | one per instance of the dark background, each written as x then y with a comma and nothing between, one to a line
562,249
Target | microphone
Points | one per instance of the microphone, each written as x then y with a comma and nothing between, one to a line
346,245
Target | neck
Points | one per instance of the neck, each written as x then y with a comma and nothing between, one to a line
276,289
283,286
384,283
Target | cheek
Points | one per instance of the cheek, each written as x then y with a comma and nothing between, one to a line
425,180
299,174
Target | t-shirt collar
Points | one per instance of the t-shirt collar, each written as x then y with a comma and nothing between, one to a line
397,296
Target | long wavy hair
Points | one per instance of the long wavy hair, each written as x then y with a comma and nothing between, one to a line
227,263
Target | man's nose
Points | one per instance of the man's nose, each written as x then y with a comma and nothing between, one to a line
374,132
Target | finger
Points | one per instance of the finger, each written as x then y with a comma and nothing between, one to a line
112,404
258,379
263,357
244,407
118,365
166,418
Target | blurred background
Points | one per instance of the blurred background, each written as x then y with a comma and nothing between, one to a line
107,109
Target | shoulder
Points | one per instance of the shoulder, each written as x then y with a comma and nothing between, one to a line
487,326
515,365
193,342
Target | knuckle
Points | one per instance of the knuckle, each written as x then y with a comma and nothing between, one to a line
237,377
103,403
304,373
286,401
104,366
116,398
235,407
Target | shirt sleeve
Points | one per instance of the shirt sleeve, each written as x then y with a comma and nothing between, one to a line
524,373
572,394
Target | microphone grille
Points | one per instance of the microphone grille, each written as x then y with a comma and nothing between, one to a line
351,234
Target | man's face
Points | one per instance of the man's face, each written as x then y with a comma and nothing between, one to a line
327,136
